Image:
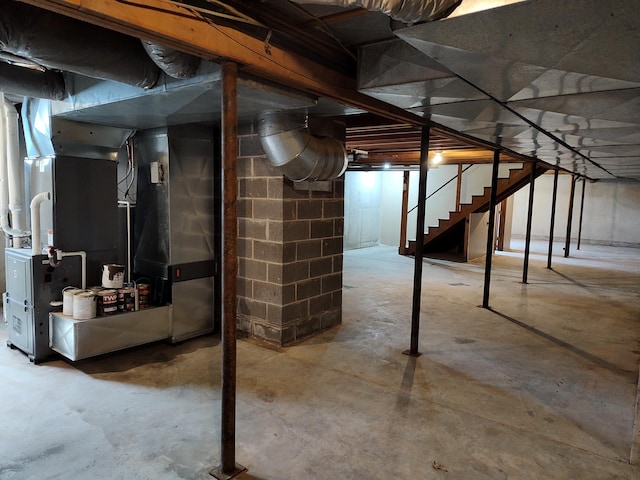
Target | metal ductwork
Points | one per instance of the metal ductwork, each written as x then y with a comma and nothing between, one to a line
407,11
300,155
61,43
25,82
49,135
173,62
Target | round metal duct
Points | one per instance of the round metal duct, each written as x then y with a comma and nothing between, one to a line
300,155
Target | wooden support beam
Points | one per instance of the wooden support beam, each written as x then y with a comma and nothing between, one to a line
179,27
448,157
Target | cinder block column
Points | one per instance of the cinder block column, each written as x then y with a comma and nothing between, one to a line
289,251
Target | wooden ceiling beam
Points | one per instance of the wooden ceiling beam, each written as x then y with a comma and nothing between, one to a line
448,157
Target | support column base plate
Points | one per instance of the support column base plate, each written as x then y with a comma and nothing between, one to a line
220,475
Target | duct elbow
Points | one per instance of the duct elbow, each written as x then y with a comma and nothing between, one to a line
174,63
300,156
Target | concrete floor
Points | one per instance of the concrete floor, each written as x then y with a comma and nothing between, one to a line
542,387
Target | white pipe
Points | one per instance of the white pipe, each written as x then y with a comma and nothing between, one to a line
36,246
83,257
7,146
15,167
128,204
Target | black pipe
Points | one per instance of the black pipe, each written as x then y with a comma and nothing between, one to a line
492,221
553,216
527,242
567,242
584,185
417,271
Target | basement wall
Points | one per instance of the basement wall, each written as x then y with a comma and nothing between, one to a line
610,215
363,201
289,251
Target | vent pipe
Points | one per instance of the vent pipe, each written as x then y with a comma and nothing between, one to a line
301,156
11,191
407,11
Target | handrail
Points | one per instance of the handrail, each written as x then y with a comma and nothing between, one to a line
442,186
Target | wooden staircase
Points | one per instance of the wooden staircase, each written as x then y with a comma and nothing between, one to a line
518,178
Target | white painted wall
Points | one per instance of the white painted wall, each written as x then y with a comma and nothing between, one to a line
391,208
362,200
373,203
438,206
611,213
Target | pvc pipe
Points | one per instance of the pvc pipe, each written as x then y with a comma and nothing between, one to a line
8,153
36,246
15,167
128,204
83,257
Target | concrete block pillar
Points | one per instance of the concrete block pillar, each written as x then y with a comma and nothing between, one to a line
289,251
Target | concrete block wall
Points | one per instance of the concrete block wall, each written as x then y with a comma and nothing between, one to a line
289,251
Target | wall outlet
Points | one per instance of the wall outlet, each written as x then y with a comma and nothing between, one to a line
155,172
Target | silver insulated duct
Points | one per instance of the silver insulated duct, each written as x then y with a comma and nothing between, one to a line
61,43
300,155
174,63
407,11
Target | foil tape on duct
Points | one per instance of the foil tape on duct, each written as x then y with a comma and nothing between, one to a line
407,11
35,34
300,155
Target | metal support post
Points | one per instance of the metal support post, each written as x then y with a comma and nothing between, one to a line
527,242
567,242
417,271
228,467
553,216
458,187
492,222
584,185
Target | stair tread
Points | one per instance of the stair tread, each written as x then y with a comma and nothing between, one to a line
518,177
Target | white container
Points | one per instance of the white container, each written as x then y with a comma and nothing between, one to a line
67,299
84,305
113,275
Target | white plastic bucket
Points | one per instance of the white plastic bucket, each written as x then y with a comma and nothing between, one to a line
67,299
113,275
84,305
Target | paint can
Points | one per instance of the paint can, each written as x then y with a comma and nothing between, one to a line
126,299
112,275
144,295
107,302
84,305
67,299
